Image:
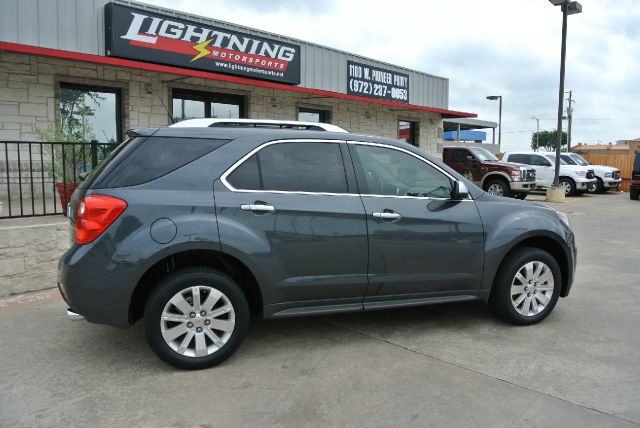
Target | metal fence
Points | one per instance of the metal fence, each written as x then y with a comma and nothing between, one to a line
37,178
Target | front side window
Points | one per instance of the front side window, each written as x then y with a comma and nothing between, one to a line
390,172
293,167
552,159
578,159
539,160
197,105
89,113
460,156
568,159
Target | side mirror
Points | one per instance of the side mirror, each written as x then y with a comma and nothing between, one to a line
460,191
83,175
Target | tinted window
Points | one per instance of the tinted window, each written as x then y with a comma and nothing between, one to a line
156,157
384,171
460,156
519,158
293,167
539,161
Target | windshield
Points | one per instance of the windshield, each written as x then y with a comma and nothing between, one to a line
579,159
552,158
484,154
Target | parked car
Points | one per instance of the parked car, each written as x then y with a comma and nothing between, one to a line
634,189
197,229
490,173
574,179
607,177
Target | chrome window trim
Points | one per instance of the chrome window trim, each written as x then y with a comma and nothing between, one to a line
232,168
236,165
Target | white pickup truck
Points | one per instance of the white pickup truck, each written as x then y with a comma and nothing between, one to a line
574,179
607,177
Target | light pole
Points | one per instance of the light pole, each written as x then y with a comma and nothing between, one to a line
537,119
568,8
569,120
493,98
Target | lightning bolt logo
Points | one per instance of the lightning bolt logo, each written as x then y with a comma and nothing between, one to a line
202,50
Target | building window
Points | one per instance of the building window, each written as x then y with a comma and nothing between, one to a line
89,113
313,115
408,132
194,105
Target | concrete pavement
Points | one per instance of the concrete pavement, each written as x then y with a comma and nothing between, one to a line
447,365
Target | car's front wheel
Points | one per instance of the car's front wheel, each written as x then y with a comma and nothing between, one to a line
526,287
497,187
568,185
196,318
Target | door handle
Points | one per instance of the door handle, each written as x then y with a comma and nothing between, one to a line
387,215
259,207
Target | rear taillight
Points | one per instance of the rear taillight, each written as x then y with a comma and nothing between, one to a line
94,214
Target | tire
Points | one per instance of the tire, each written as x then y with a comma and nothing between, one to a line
199,331
634,194
546,291
569,186
497,187
521,195
598,188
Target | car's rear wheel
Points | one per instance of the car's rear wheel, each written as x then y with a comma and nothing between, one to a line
568,185
527,286
196,318
497,187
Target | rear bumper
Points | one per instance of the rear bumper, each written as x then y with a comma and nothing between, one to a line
94,294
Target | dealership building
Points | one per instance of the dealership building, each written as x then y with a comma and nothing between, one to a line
112,66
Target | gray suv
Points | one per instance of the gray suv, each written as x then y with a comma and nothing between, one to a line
198,229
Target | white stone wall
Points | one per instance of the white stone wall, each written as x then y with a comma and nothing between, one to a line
29,85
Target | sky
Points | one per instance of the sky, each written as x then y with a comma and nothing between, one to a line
489,47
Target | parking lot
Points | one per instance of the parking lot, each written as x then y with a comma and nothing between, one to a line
446,365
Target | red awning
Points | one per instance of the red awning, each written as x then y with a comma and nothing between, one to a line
98,59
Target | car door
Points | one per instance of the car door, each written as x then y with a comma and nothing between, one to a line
288,210
464,161
544,169
421,243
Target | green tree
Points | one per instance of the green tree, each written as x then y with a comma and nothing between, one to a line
547,140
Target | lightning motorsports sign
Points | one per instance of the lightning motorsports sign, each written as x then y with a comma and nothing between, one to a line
146,36
373,82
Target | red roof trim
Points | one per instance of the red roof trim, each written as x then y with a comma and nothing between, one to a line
56,53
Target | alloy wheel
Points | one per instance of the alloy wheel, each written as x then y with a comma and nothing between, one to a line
496,190
532,288
197,321
566,186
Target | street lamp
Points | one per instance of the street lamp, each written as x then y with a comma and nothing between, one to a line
537,119
493,98
568,8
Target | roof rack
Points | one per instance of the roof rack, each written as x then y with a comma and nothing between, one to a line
257,123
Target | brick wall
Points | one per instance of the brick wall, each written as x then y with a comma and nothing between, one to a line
29,85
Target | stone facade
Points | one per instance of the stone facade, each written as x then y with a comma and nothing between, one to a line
29,253
29,86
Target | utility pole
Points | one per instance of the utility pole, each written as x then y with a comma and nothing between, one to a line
537,119
569,117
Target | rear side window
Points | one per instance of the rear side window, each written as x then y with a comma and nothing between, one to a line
156,157
519,158
293,167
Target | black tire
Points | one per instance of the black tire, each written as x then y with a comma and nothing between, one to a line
500,299
598,188
634,194
181,280
502,183
520,195
570,184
